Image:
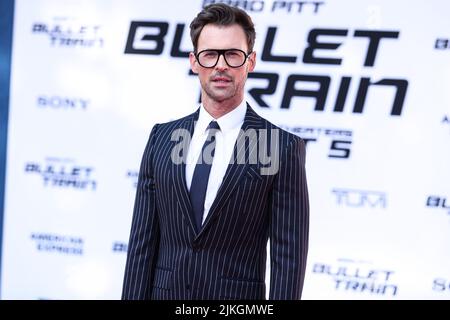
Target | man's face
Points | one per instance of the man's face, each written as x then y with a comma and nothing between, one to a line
222,83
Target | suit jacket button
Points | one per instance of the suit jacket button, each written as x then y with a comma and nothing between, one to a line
188,286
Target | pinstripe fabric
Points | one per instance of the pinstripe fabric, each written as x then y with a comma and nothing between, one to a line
226,259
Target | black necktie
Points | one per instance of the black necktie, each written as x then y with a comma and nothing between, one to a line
201,174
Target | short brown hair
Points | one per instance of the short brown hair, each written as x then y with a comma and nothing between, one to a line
223,15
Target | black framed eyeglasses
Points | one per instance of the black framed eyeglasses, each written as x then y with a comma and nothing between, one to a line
209,58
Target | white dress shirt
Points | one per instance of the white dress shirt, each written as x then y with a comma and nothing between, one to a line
229,124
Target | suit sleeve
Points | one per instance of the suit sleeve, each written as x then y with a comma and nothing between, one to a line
289,224
144,236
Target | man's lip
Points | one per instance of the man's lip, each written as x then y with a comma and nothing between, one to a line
221,79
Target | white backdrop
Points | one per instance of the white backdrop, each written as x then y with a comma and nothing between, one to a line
365,82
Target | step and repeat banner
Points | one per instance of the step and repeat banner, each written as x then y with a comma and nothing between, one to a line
366,83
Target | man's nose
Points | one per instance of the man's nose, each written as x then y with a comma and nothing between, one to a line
221,63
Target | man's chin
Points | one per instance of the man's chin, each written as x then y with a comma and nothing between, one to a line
220,97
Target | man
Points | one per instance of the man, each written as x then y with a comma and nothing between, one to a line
200,227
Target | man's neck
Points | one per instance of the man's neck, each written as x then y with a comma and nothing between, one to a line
218,109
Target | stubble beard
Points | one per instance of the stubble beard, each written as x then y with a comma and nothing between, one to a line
220,95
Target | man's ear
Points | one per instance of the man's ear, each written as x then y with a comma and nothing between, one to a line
193,61
251,61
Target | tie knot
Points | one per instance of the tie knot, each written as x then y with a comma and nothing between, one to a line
213,125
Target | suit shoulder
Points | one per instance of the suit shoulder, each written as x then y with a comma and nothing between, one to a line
286,137
169,126
175,123
180,120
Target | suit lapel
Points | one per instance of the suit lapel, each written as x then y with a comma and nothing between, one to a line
235,170
179,170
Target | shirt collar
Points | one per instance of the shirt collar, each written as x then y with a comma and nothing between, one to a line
232,120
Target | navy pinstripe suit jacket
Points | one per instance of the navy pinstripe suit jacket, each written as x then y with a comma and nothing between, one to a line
169,259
